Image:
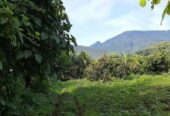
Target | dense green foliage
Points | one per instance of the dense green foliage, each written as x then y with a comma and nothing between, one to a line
157,63
107,67
33,33
142,96
33,36
115,66
154,60
73,67
161,47
158,58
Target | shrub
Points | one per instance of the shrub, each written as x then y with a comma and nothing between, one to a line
136,62
75,66
108,67
11,90
96,72
157,63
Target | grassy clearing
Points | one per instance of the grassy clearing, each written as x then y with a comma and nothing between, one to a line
144,96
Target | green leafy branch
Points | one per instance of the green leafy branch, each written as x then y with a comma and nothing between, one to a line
156,2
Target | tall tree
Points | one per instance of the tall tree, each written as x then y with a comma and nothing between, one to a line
33,34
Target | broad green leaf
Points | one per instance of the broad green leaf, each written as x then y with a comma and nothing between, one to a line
44,36
3,102
14,42
20,36
73,39
20,55
37,34
166,11
3,20
38,58
27,53
56,39
156,1
142,3
1,66
168,8
27,23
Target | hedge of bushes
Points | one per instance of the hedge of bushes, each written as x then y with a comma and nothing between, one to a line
121,66
114,66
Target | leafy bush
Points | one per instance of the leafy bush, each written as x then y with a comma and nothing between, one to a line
157,63
11,90
109,67
74,66
17,100
96,72
136,62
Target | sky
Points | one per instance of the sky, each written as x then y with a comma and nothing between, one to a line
99,20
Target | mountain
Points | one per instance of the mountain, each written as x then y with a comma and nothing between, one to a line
127,42
132,41
93,52
96,45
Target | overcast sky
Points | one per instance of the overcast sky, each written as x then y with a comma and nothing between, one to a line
99,20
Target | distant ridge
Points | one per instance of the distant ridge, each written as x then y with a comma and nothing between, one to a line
132,41
93,52
129,42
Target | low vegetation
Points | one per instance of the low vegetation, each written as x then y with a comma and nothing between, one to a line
119,67
112,85
145,95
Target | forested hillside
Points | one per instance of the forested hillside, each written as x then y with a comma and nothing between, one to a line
161,47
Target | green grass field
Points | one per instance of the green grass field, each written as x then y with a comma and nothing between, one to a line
142,96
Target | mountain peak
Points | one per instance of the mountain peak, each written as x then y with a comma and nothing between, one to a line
96,44
128,42
132,41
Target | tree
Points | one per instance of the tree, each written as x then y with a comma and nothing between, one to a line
74,66
156,2
33,36
157,63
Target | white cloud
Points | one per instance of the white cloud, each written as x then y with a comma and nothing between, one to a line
139,19
87,10
91,10
101,19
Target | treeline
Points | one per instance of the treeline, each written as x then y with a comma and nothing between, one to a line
116,66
